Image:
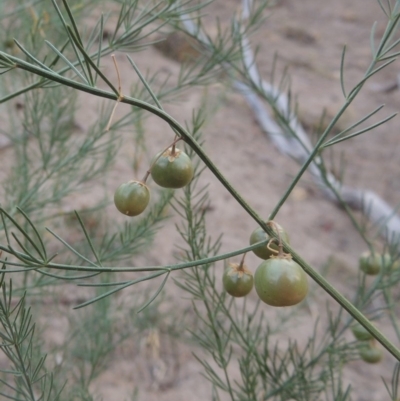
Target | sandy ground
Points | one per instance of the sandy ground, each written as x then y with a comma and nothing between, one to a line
309,37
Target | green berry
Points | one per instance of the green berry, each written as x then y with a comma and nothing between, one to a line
259,235
238,281
372,264
132,198
280,281
370,353
172,170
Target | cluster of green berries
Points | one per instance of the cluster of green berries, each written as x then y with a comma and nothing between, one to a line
369,350
371,264
169,169
279,280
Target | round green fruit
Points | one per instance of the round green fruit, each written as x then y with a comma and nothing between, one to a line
361,333
132,198
172,170
280,281
372,263
238,281
370,353
260,235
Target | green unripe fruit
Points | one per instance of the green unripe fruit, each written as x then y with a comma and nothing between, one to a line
238,281
132,198
260,235
371,353
172,170
361,333
280,281
372,264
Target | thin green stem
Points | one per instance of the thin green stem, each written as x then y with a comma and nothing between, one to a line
315,151
146,106
105,269
344,302
354,92
392,315
211,318
346,208
90,62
